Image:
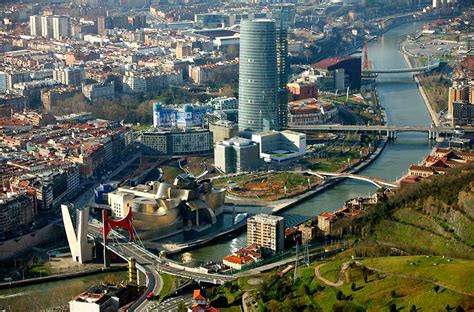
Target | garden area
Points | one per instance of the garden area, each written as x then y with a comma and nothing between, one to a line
268,186
336,158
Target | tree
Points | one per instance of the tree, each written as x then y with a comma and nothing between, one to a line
339,295
392,307
182,306
353,286
436,288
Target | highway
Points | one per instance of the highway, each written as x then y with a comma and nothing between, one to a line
170,304
151,265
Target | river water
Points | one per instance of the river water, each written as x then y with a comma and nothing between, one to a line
404,106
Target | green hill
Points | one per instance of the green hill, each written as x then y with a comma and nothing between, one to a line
433,218
410,283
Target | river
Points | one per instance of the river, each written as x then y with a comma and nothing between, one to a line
404,106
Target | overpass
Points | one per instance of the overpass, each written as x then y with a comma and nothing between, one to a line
125,249
150,264
389,131
379,183
402,70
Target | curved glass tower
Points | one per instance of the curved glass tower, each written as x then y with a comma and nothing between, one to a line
258,76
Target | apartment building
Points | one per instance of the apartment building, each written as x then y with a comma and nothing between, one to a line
267,231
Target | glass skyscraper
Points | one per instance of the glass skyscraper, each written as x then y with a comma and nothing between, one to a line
258,76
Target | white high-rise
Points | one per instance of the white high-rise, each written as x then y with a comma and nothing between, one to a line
35,25
61,27
47,26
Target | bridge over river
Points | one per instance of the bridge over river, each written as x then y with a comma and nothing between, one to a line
429,67
389,131
379,183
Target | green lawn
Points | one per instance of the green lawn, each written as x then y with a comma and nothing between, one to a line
330,165
377,294
171,172
331,270
168,285
457,273
141,127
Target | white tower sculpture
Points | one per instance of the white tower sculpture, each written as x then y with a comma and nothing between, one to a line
81,249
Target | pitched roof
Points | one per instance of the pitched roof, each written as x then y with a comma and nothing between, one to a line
198,295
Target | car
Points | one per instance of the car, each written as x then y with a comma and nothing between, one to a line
150,296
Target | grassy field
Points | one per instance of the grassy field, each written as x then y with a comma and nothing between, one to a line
168,285
141,127
366,290
454,273
330,165
170,172
331,270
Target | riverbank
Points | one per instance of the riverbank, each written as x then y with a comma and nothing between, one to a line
329,183
172,249
428,104
58,277
53,295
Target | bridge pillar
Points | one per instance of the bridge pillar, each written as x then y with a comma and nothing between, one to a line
106,256
394,135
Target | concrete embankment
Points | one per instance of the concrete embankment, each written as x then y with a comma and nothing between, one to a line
57,277
433,114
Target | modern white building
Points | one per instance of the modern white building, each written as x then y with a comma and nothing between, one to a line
237,155
280,146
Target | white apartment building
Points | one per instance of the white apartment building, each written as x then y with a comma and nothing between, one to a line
268,231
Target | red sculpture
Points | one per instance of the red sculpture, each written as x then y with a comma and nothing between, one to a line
109,224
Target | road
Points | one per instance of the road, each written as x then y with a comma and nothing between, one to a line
170,304
87,197
341,279
151,264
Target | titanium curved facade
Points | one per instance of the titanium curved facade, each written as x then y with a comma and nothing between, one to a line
258,76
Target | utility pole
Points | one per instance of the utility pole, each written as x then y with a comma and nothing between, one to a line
296,273
306,253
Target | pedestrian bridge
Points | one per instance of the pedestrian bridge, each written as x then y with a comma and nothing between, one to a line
401,70
379,183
